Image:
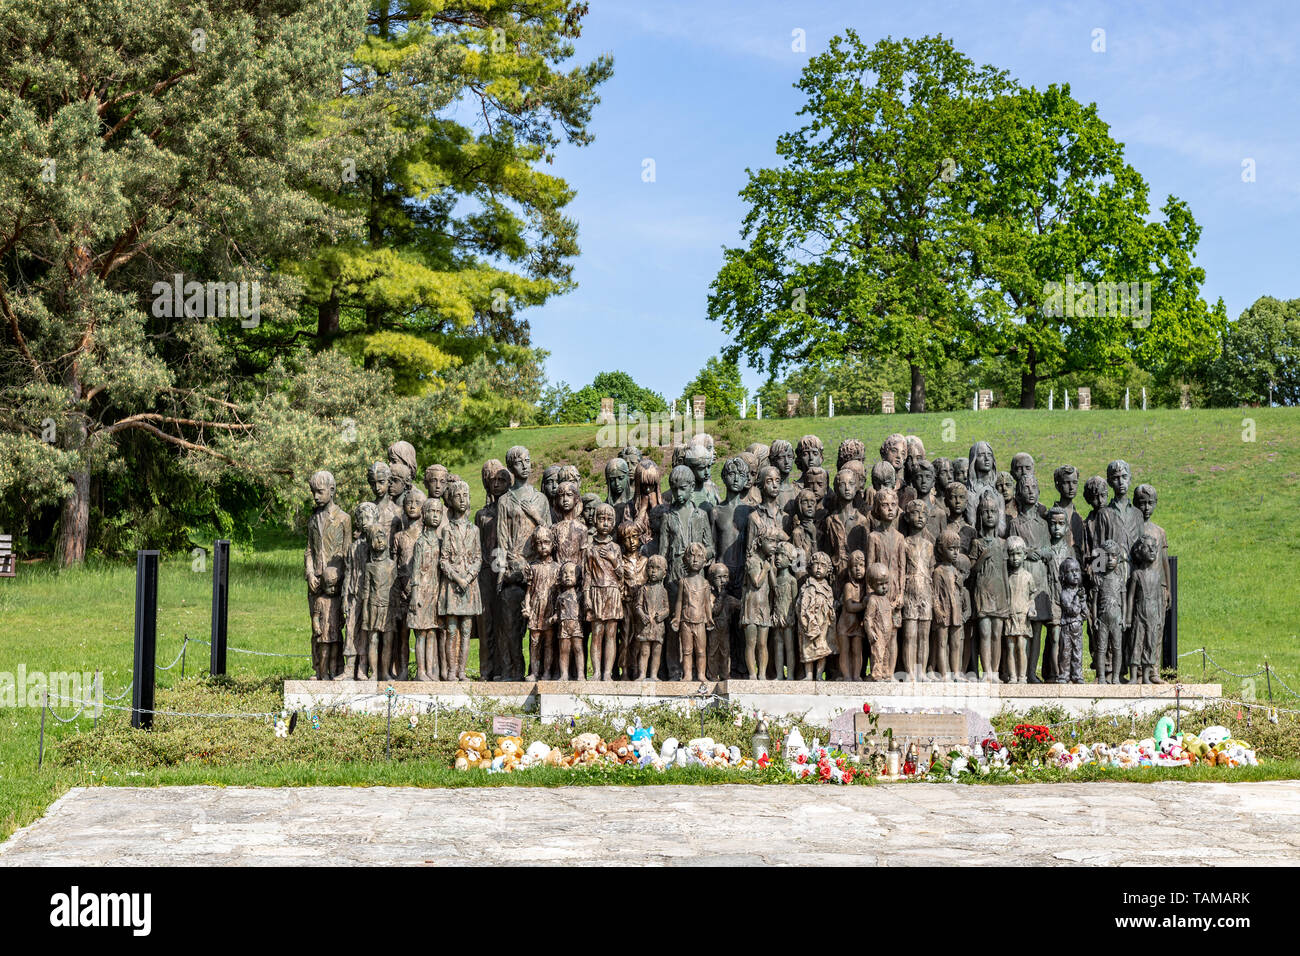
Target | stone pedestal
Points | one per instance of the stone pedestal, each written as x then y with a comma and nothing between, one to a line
820,701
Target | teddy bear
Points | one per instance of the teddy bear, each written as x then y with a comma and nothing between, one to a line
536,755
622,751
511,751
587,749
472,751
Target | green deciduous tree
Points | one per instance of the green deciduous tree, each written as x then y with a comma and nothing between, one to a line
1260,356
854,246
561,405
720,383
1072,273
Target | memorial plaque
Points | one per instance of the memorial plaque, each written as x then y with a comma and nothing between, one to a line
507,726
1185,399
791,404
986,398
697,403
606,410
945,729
1085,398
887,403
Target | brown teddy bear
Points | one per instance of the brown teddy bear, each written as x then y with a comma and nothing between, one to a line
472,751
512,750
587,749
621,750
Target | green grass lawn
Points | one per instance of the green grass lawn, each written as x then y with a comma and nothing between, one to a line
1224,502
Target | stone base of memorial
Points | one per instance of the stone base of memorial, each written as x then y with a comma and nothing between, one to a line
410,697
820,701
825,699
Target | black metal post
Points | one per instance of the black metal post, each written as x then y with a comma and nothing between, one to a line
146,639
40,747
1269,678
220,601
1170,648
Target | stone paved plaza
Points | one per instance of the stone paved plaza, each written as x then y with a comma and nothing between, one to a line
1103,824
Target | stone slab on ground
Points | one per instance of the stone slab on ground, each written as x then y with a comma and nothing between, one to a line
1096,824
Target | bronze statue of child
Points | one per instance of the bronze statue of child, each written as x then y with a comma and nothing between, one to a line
651,613
918,591
460,561
408,530
422,590
1022,591
1144,498
848,625
725,606
756,601
805,535
356,649
380,621
785,589
1109,599
1145,610
539,607
633,577
1073,606
815,612
602,583
568,612
990,597
951,605
878,621
1058,535
329,539
693,613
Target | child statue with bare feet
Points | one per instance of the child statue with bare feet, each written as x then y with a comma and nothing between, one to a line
602,582
951,605
756,602
568,612
1073,606
651,612
815,612
633,579
1145,610
693,613
725,606
539,606
918,591
1109,599
785,589
990,597
848,626
1021,590
460,561
878,621
422,590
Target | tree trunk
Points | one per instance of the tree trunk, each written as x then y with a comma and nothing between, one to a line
917,403
327,318
74,525
1029,381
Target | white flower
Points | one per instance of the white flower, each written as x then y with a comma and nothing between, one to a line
414,720
281,729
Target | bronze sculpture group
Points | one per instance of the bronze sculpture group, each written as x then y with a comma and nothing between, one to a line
909,569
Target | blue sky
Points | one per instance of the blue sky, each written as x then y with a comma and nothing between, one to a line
704,89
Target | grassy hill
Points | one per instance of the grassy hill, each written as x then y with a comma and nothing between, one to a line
1229,483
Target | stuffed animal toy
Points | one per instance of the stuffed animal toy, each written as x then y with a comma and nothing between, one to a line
733,756
510,750
587,749
535,755
472,751
620,748
1214,735
641,737
668,752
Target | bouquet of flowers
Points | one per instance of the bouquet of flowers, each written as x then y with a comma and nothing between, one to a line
1030,743
822,765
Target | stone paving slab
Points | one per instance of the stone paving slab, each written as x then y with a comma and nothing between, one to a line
1095,824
